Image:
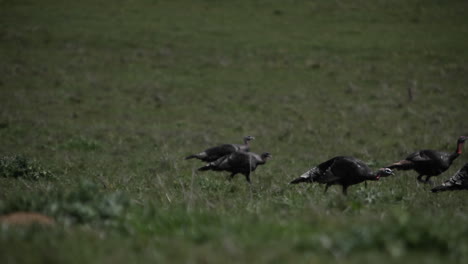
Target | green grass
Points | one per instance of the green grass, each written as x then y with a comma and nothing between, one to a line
109,98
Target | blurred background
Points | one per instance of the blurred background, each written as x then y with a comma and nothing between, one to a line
100,102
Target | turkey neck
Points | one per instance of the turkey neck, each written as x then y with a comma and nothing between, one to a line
457,152
261,160
459,148
373,176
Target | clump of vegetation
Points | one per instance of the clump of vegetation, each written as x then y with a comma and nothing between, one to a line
395,240
82,143
19,166
81,205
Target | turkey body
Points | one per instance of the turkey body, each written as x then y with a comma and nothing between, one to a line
459,181
238,162
217,152
429,163
341,170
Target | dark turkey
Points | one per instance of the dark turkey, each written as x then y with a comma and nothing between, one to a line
214,153
459,181
429,162
238,162
344,171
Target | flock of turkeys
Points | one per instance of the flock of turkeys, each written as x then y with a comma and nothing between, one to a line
340,170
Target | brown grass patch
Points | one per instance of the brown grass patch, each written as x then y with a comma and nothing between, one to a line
27,218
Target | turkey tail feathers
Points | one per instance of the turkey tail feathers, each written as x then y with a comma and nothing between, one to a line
205,168
440,189
299,180
306,177
402,165
190,157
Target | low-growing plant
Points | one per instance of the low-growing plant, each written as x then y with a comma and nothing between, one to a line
85,204
19,166
81,143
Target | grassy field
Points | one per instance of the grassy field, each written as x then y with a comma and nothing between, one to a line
100,102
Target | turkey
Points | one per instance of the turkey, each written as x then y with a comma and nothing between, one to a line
429,162
459,181
341,170
214,153
238,162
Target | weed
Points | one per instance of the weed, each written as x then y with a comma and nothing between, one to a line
86,203
19,166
